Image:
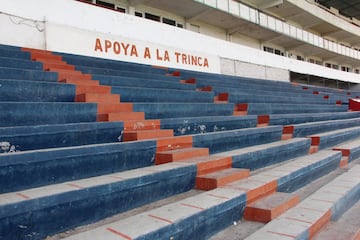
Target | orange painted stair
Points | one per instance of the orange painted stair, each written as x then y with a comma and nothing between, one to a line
270,207
180,154
220,178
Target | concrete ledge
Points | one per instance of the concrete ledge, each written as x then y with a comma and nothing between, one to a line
61,135
85,201
22,170
33,113
234,139
195,125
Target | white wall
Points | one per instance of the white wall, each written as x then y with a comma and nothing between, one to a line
77,30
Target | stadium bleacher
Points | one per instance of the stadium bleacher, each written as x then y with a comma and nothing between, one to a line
83,139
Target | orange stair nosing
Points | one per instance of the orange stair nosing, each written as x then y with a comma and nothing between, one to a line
166,144
180,154
220,178
105,108
120,116
147,134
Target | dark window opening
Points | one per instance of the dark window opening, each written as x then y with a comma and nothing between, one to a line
120,9
169,21
152,17
105,4
179,25
138,14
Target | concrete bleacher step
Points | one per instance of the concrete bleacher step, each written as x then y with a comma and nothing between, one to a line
308,217
270,207
104,108
305,129
350,151
120,116
205,214
102,194
147,94
78,80
347,227
98,98
70,75
220,178
147,134
28,169
289,119
35,91
12,62
82,89
51,66
331,138
27,74
278,108
25,138
137,125
195,125
40,113
180,154
175,110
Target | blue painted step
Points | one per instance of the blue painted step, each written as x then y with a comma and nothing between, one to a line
39,113
136,94
92,62
234,139
287,119
11,62
264,155
26,74
195,125
61,135
305,129
175,110
141,82
35,91
85,201
276,108
23,170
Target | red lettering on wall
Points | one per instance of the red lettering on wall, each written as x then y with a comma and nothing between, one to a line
98,46
107,45
147,53
134,51
117,48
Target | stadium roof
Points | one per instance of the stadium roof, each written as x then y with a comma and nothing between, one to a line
348,8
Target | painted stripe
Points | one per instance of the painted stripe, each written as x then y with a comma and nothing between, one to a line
320,200
217,196
116,177
312,209
23,195
119,233
160,218
298,220
282,234
192,206
74,185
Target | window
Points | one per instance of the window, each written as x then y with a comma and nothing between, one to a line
328,65
179,25
121,9
169,21
357,71
105,4
301,58
138,14
152,17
